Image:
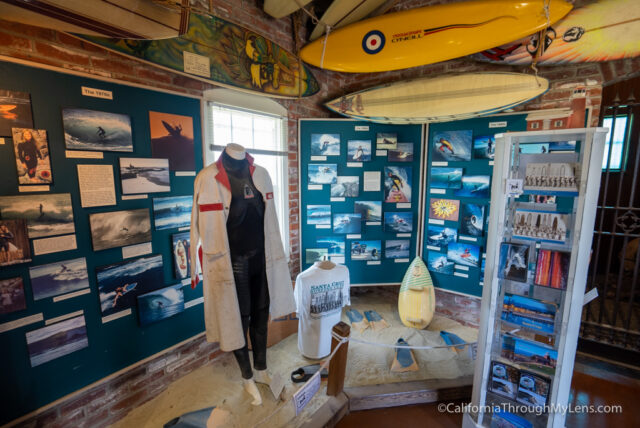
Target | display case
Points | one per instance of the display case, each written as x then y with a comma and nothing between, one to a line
543,205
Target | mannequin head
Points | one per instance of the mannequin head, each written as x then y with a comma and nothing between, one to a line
236,151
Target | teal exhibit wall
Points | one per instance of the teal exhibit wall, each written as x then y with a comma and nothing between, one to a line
119,343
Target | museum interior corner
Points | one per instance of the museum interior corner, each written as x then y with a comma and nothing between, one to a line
319,213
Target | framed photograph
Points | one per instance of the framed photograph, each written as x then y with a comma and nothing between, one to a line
160,304
346,187
172,138
33,162
313,255
96,130
514,262
533,390
441,236
397,248
534,148
464,254
450,146
119,228
475,186
386,140
119,284
552,177
552,269
484,147
444,209
15,111
446,178
172,212
366,250
540,225
471,219
529,313
402,153
562,146
144,175
318,214
397,184
46,214
323,173
371,211
358,150
334,245
325,144
398,221
180,247
12,295
532,355
350,223
438,262
56,340
58,278
14,242
504,380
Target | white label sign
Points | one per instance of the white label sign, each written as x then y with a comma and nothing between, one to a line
381,152
373,223
401,260
131,197
318,158
54,245
72,295
467,238
302,396
403,205
12,325
194,302
460,267
116,316
373,262
64,317
185,174
136,250
314,187
592,294
97,93
354,164
196,64
42,188
432,248
514,187
498,124
403,235
461,275
436,221
358,236
336,199
438,191
82,154
439,163
323,226
362,128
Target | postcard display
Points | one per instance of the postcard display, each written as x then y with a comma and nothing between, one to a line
360,193
78,301
536,268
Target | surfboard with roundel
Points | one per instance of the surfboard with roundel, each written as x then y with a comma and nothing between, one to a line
430,34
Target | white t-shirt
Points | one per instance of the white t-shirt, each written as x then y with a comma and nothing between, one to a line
320,295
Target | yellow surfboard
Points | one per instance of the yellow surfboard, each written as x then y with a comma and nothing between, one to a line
417,299
430,34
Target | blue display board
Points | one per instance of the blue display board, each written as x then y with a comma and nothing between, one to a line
378,246
113,345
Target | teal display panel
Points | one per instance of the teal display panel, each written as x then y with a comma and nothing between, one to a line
113,345
456,210
380,253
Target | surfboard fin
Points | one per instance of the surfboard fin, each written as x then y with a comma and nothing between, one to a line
404,360
416,287
376,321
357,320
452,339
414,320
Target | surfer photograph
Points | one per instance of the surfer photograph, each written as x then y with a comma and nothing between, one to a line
323,173
325,144
386,140
32,156
14,242
438,262
452,146
463,254
402,153
160,304
359,150
397,184
96,130
514,262
172,138
475,186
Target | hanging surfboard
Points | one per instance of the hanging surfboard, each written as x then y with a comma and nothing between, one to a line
282,8
216,51
602,31
131,19
430,34
440,99
344,12
417,299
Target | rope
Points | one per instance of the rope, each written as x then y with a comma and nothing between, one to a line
386,345
317,21
542,39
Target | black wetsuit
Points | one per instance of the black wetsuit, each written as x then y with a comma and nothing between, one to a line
28,154
245,228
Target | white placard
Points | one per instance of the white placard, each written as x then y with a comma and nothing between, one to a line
439,163
302,396
97,188
54,245
371,181
83,154
354,164
400,205
184,229
335,199
64,317
537,245
323,226
96,93
354,236
318,158
373,262
186,281
490,163
481,283
403,235
514,187
461,275
136,250
401,260
362,128
12,325
194,302
72,295
432,248
2,141
467,238
41,188
132,197
381,153
498,124
185,174
438,191
196,64
589,296
116,316
314,187
436,221
373,223
460,267
484,255
337,259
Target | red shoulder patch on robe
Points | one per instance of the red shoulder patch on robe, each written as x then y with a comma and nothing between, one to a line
210,207
270,195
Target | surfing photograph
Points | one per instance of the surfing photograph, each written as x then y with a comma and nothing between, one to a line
119,228
33,163
533,148
562,146
441,236
323,173
464,254
475,186
544,225
397,184
484,147
552,269
358,150
444,209
12,295
451,146
371,211
438,262
366,250
58,278
347,223
144,175
14,242
46,214
334,245
96,130
398,221
346,187
446,178
386,140
514,262
402,153
172,138
504,380
318,214
160,304
532,355
325,144
15,111
180,247
56,340
533,390
313,255
471,219
172,212
397,248
529,313
119,284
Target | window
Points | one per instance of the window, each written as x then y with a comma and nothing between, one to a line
263,136
618,142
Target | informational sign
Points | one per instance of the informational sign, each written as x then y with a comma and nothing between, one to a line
302,396
97,93
196,64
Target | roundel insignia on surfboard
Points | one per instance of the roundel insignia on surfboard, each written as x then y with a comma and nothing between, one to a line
373,42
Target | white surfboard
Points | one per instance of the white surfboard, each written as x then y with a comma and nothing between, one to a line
281,8
344,12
